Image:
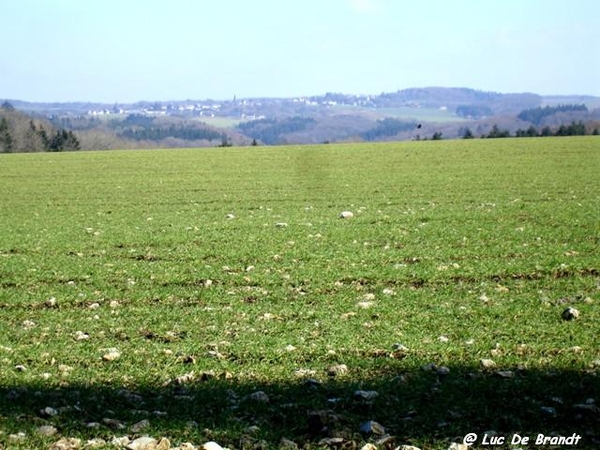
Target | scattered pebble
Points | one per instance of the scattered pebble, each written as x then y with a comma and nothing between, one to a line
365,396
259,397
487,363
281,224
112,355
409,447
372,427
331,441
364,305
337,369
47,430
119,441
570,314
66,444
368,446
17,437
48,412
80,336
139,426
346,215
142,443
505,373
211,446
457,446
443,370
95,442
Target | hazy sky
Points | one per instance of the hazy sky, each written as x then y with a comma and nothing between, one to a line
130,50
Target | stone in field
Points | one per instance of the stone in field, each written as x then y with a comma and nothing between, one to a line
211,446
346,215
259,397
372,427
47,430
337,369
570,314
111,355
487,363
139,426
66,444
142,443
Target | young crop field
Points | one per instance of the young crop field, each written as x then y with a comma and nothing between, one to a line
217,295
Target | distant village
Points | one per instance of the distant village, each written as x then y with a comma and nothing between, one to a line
247,109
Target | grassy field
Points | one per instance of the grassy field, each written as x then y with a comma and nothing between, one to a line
216,294
408,113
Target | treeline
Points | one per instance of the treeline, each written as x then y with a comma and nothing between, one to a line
536,115
388,127
159,133
21,133
574,129
474,111
272,131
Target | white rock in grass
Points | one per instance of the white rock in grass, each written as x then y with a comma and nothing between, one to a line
142,443
408,447
337,369
28,324
94,443
211,446
122,441
369,446
20,436
66,444
81,336
346,215
457,446
364,305
487,363
281,224
112,355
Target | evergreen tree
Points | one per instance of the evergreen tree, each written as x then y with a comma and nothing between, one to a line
468,134
6,139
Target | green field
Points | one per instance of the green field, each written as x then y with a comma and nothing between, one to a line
174,286
436,115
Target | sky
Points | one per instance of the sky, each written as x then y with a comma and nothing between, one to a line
159,50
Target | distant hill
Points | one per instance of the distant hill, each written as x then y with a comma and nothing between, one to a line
414,113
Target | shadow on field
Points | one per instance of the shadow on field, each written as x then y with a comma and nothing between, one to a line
426,408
